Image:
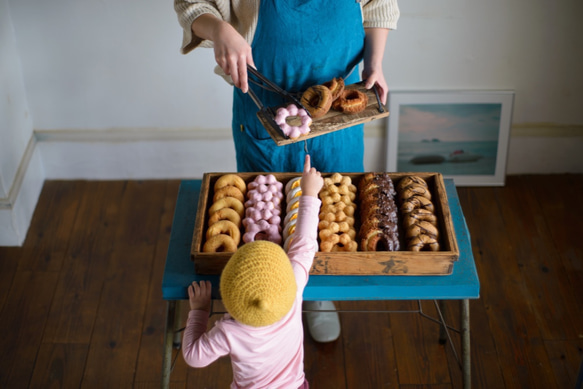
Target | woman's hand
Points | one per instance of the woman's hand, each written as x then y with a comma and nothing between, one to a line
199,296
232,52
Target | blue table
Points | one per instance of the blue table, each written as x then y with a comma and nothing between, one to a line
463,284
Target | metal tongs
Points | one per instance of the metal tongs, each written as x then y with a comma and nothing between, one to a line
270,86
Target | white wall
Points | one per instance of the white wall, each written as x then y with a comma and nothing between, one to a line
21,173
111,96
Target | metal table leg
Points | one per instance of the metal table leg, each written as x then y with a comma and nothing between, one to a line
465,335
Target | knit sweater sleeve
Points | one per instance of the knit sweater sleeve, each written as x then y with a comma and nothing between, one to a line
304,244
241,14
380,14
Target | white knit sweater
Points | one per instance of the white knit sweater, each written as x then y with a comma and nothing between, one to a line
243,14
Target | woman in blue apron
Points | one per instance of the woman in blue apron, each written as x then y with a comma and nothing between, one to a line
295,47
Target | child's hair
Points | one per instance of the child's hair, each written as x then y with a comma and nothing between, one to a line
258,286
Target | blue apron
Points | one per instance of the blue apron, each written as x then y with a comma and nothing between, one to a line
297,44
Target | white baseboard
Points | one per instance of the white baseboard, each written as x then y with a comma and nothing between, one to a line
16,211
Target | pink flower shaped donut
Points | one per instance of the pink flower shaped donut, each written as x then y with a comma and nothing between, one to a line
293,132
262,230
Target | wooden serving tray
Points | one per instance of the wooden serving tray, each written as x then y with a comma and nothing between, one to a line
345,263
332,121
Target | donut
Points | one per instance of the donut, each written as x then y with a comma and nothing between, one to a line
335,242
262,230
416,202
292,184
230,179
423,241
289,228
219,243
291,215
351,101
337,178
229,191
287,242
225,214
418,215
296,192
227,202
292,113
414,190
225,227
421,228
293,204
410,180
317,100
336,86
379,240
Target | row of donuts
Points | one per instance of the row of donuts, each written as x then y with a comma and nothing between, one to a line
336,226
418,214
256,207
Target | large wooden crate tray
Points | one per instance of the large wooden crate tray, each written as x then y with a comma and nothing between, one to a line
345,263
332,121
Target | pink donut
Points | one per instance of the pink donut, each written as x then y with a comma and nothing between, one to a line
293,132
262,230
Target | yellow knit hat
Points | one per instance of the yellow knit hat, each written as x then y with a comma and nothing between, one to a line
258,286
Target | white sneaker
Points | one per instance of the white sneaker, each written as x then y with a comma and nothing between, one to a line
323,326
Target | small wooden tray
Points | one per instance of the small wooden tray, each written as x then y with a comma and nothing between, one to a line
345,263
332,121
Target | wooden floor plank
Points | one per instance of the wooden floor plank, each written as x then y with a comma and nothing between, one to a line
149,367
369,361
117,332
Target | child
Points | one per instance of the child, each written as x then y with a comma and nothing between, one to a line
262,289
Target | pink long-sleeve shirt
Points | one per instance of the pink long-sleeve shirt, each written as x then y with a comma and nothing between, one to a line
262,357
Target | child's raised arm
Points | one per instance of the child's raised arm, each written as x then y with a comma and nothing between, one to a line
312,180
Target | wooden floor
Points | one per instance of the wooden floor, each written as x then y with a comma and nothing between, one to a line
81,306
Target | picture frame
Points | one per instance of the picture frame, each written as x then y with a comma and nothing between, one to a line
461,134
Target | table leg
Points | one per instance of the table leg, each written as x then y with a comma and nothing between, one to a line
465,335
442,328
168,342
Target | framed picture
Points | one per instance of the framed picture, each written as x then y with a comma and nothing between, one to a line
460,134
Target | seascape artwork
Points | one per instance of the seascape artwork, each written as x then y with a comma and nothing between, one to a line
450,138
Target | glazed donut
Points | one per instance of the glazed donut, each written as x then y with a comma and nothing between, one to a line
417,202
230,179
292,184
262,230
317,99
351,101
414,190
296,192
287,242
227,202
225,214
379,240
224,227
410,180
293,204
229,191
422,228
336,86
418,215
220,243
423,241
293,113
293,214
289,229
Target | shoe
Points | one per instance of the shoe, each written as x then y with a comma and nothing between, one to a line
323,326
